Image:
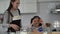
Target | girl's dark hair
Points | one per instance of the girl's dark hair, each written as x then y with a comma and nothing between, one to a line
34,18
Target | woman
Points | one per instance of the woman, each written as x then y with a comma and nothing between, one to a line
36,24
12,16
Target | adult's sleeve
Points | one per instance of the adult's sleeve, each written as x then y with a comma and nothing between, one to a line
5,19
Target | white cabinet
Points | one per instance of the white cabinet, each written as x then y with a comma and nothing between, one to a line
26,6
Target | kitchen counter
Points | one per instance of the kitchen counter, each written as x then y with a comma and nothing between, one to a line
33,33
45,33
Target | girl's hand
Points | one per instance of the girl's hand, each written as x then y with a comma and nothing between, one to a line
35,30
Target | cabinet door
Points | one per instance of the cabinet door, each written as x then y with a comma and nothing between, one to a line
28,6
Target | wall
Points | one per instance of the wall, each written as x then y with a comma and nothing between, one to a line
43,10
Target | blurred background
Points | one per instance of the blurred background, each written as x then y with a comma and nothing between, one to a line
48,10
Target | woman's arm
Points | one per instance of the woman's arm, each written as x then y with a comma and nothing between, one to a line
5,19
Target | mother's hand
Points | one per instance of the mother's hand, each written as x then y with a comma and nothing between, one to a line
14,26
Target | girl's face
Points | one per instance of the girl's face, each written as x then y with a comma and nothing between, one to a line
16,4
41,21
35,22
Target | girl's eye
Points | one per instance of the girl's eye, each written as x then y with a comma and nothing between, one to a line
34,20
18,3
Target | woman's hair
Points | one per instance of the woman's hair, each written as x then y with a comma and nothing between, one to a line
10,6
34,18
